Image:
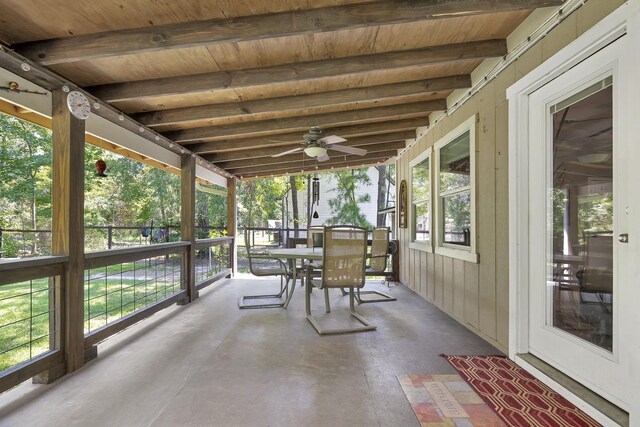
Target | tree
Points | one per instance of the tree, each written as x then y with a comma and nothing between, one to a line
211,211
25,176
260,200
345,207
386,190
294,204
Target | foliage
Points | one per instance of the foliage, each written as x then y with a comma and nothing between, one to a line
262,199
595,216
25,176
345,207
211,211
132,193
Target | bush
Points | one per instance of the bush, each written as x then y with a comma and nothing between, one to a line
10,246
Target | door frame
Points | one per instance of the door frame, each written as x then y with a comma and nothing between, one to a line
624,20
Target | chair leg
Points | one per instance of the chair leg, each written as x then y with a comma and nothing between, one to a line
322,331
367,325
307,295
383,297
280,304
327,306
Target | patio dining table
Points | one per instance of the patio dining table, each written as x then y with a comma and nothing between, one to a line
313,254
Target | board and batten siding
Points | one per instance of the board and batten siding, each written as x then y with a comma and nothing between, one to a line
477,295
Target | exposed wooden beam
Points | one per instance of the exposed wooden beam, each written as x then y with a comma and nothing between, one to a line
313,166
208,82
293,104
300,156
266,127
261,153
221,144
257,27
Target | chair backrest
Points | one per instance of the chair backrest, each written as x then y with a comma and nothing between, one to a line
247,245
598,272
344,257
316,232
379,248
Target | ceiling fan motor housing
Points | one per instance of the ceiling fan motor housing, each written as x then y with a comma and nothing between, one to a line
315,133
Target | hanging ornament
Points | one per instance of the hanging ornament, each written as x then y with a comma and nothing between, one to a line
101,166
316,189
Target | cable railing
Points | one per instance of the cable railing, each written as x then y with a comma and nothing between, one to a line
213,260
29,326
113,291
121,287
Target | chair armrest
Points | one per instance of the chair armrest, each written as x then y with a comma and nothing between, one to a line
261,257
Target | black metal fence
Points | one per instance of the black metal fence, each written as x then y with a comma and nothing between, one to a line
23,243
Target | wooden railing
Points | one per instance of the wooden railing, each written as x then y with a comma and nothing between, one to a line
14,277
128,269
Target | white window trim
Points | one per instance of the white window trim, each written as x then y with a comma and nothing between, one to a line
454,251
426,245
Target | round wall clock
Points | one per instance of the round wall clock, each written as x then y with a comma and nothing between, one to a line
78,105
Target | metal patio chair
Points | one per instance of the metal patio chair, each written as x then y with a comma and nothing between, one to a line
378,259
343,266
263,265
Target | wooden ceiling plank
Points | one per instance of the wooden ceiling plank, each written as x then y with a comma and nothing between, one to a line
296,103
362,142
300,158
258,27
265,127
253,144
310,166
207,82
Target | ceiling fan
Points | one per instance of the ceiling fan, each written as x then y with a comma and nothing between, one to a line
316,145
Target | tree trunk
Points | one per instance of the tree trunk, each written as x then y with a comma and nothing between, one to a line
382,174
294,204
34,225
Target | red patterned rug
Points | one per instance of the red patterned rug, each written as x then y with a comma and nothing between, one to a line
516,396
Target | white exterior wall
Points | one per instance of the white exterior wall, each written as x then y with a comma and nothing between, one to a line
328,185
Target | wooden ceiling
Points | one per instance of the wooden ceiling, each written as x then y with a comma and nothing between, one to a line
237,81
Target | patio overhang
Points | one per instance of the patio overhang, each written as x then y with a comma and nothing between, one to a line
233,86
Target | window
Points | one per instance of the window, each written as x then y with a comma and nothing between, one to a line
455,193
421,201
455,190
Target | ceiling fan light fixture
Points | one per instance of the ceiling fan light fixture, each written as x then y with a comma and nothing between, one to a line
594,158
315,151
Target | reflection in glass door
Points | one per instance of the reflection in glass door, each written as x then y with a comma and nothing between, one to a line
581,219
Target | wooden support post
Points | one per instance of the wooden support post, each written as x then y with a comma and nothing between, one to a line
188,226
232,222
67,237
109,237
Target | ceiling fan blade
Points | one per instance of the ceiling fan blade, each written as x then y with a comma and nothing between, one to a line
348,150
284,153
323,158
331,139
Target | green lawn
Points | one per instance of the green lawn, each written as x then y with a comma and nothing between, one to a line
24,318
109,293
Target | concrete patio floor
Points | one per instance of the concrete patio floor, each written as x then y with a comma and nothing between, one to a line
211,364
